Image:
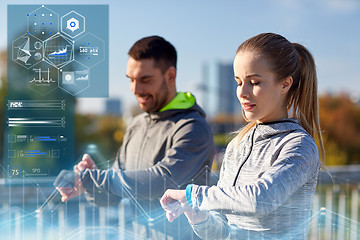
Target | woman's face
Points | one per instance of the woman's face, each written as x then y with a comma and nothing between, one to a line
261,95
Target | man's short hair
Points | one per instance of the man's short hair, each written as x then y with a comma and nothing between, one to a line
157,48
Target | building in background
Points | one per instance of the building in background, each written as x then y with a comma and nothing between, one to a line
227,101
217,95
113,106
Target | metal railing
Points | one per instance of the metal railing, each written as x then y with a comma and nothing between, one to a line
335,213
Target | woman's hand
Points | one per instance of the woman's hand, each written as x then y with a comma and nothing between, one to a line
174,203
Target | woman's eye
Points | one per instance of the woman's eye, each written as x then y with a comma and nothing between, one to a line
255,83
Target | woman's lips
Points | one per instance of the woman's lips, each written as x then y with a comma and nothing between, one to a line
248,106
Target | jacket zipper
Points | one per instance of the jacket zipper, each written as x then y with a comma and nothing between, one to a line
143,144
247,157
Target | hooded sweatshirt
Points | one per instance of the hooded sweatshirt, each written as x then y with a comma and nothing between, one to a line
160,150
266,186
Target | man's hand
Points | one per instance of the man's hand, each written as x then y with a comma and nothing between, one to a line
86,162
66,192
174,203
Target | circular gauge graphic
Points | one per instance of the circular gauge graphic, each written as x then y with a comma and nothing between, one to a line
38,56
37,45
15,171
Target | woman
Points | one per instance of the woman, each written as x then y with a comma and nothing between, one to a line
269,172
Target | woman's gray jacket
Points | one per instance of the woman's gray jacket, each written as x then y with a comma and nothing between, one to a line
266,186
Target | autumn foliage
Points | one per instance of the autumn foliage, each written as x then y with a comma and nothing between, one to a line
340,122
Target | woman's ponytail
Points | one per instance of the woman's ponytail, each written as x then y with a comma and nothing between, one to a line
304,100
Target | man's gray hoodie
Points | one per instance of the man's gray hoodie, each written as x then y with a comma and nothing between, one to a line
266,186
160,150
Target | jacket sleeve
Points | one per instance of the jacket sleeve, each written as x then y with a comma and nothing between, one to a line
96,194
191,150
215,227
296,164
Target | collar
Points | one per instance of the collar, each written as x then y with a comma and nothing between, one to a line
182,100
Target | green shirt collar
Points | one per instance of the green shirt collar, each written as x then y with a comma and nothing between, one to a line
180,101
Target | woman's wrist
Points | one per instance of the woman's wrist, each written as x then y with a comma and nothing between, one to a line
188,194
196,216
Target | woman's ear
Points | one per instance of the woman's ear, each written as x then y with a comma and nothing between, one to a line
286,85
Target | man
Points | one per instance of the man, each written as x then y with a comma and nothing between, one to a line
170,145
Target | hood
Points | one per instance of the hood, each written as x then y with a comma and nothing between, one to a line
183,101
270,129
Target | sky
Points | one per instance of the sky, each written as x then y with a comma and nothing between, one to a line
209,31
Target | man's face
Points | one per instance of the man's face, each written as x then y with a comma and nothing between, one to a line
149,85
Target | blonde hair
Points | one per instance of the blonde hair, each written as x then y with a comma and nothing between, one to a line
291,59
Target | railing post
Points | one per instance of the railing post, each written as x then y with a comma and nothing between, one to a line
342,212
329,208
17,217
61,219
121,220
82,221
354,212
102,223
314,220
39,226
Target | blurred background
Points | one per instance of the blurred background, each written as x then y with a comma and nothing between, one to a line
206,35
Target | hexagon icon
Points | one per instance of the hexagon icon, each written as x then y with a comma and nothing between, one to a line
72,24
43,78
59,50
27,50
89,50
74,78
42,23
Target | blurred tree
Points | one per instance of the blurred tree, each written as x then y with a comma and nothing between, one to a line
340,121
106,132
